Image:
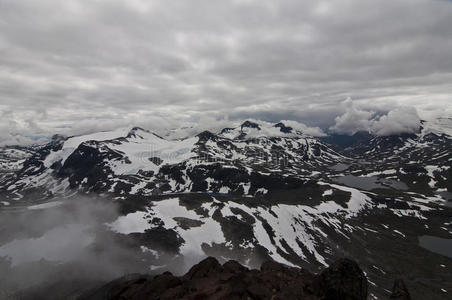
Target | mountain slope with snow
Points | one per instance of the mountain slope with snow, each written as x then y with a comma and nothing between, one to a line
253,192
139,161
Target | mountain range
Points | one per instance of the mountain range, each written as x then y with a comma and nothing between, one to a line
257,192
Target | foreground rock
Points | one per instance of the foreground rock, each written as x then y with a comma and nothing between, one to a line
210,280
399,291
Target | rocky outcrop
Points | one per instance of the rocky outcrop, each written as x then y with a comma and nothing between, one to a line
211,280
399,291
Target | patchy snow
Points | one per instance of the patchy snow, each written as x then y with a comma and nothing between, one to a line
291,224
267,129
45,205
398,232
246,187
327,193
430,170
209,232
261,191
224,190
153,267
137,187
315,173
145,249
376,173
438,126
358,200
130,223
408,213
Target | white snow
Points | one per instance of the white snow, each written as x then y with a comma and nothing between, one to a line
224,190
261,191
398,232
438,126
208,233
327,193
137,187
246,187
267,129
430,169
145,249
153,268
130,223
140,149
72,143
376,173
358,200
45,205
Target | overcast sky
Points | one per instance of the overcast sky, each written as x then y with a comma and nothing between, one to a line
74,66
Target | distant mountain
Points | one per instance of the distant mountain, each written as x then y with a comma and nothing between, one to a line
249,159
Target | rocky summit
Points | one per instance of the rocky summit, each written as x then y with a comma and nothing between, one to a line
211,280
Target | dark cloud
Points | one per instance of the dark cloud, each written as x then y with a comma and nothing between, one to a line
170,62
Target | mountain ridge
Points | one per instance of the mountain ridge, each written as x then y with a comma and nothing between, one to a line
252,195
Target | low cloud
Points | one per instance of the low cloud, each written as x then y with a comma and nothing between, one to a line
314,131
398,120
353,120
68,242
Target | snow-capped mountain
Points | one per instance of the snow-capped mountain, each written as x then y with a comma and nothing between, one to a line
254,192
246,160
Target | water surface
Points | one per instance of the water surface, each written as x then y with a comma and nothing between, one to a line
370,183
340,167
436,244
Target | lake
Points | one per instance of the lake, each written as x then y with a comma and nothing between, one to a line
436,244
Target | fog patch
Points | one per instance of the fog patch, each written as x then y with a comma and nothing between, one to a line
353,120
399,120
68,242
61,244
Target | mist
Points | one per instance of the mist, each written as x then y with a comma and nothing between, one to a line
69,243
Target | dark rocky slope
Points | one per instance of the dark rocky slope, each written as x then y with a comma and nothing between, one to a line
211,280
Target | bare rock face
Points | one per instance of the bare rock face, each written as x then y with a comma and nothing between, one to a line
399,291
343,280
211,280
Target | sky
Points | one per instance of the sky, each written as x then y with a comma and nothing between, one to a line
75,67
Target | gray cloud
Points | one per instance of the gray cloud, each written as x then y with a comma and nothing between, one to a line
398,120
353,120
97,64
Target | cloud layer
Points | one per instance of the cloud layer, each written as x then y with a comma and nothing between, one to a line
97,64
397,121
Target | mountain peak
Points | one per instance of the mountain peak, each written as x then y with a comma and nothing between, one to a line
226,130
249,124
206,135
283,128
138,132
